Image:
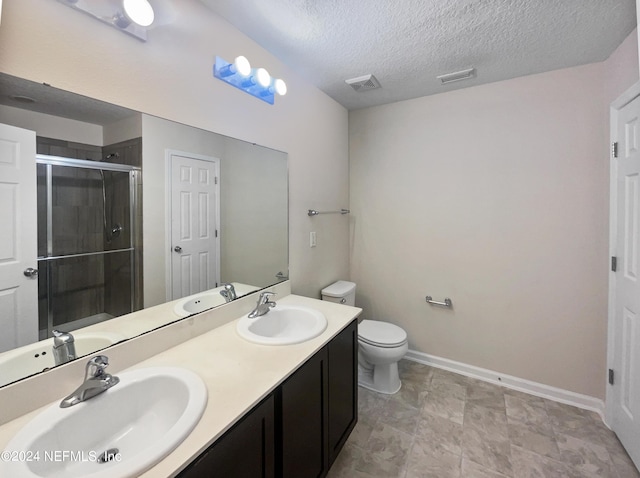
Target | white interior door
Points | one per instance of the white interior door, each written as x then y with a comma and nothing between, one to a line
18,240
194,225
626,330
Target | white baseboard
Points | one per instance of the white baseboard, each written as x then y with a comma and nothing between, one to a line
533,388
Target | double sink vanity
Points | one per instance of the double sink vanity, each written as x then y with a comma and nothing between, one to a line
227,395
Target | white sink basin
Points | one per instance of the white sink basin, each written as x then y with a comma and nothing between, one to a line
202,301
145,417
283,325
36,357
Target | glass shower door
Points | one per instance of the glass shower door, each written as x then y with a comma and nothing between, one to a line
86,251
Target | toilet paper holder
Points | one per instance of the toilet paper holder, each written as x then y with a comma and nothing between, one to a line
447,302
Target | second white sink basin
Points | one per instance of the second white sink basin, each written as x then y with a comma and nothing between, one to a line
202,301
144,417
283,325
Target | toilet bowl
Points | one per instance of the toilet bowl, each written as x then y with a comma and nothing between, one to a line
380,346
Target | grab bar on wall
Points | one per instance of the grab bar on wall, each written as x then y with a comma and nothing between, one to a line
313,212
447,302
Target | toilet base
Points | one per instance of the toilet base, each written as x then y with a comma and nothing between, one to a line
381,378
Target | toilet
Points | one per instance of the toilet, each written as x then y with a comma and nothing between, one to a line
380,344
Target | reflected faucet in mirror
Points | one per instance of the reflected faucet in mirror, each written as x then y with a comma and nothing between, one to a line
229,292
64,348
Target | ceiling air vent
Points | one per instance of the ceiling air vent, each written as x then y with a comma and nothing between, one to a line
457,76
363,83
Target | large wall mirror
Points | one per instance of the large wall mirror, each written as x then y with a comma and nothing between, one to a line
131,222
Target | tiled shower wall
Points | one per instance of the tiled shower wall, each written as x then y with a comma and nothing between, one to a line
91,285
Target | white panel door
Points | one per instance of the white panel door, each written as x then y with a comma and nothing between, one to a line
18,239
194,224
626,388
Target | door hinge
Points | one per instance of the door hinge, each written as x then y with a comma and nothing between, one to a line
614,150
611,376
216,233
614,264
216,180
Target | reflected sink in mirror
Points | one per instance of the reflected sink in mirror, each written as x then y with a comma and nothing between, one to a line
283,325
144,417
34,358
202,301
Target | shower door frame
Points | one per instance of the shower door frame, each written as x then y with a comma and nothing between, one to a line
134,176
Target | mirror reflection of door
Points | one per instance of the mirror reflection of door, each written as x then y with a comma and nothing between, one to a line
195,213
18,241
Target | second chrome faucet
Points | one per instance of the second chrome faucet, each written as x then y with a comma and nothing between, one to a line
263,306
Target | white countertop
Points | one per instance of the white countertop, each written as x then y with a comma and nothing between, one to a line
237,373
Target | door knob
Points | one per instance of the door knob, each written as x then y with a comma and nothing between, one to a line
31,272
177,249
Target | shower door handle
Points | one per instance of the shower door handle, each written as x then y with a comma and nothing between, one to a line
177,249
31,272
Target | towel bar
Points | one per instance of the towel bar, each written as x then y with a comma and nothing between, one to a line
447,302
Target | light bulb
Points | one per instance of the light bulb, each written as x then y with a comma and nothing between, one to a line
242,65
139,11
281,87
263,77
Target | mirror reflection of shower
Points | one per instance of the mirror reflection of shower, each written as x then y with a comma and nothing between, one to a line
88,247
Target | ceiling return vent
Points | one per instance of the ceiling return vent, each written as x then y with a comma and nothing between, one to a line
363,83
457,76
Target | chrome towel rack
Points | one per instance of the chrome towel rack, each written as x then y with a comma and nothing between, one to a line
447,302
313,212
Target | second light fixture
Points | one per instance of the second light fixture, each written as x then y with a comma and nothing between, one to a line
255,81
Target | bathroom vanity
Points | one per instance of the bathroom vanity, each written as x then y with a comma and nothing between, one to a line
300,428
270,411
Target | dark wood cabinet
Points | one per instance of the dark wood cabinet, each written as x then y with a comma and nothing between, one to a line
317,408
343,388
246,450
301,421
298,431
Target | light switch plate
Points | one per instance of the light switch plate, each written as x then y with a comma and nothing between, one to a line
312,239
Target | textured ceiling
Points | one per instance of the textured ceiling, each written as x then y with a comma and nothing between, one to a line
407,43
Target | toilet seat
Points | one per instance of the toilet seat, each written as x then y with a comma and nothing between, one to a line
381,334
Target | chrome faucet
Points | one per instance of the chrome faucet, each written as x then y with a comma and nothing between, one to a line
64,349
263,306
95,382
229,292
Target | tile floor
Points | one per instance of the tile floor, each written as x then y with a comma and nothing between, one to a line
445,425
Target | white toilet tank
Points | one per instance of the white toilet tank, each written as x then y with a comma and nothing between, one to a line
342,292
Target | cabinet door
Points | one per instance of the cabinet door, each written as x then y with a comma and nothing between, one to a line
302,407
343,387
246,450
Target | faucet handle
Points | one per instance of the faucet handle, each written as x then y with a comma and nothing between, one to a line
95,367
264,296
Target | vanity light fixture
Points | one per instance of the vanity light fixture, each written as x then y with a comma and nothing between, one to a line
255,81
139,11
130,16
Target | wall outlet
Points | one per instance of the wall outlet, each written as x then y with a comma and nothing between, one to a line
312,239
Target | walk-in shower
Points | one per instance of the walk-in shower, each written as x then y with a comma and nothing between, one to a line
88,248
